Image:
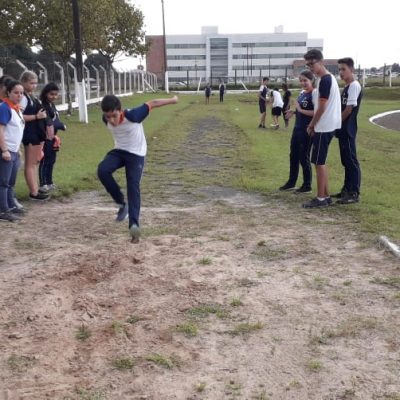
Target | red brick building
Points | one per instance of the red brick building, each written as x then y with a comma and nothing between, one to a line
155,56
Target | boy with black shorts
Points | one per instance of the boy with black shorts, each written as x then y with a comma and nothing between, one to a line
351,99
262,101
326,120
129,152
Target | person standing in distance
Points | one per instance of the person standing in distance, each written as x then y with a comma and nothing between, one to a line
262,101
221,92
351,99
326,120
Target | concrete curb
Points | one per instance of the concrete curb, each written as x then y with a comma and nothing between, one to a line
374,117
392,247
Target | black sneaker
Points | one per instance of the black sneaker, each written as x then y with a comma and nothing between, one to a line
122,213
18,211
287,186
39,196
349,198
339,195
8,216
260,126
316,203
303,189
329,200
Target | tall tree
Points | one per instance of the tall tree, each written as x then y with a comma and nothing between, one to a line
123,32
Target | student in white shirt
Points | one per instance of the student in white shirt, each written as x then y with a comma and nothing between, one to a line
326,120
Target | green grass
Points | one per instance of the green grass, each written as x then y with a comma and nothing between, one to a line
247,328
123,364
204,310
314,366
161,360
189,329
20,364
256,161
83,333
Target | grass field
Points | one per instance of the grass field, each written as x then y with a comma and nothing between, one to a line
262,157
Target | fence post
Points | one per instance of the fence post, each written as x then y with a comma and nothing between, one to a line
75,80
46,76
97,80
143,82
130,82
23,66
88,81
112,81
105,80
60,67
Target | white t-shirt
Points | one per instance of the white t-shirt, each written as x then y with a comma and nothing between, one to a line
353,93
14,127
129,134
277,101
331,119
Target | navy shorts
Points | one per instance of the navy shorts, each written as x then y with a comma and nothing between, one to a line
277,111
320,145
263,106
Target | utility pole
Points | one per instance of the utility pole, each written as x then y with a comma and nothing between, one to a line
83,114
166,83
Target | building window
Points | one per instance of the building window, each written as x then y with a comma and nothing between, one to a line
187,57
186,46
270,44
187,68
266,56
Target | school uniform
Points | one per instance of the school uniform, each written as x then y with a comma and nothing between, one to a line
300,143
277,103
50,147
14,123
330,121
130,148
351,96
286,105
261,101
35,131
221,92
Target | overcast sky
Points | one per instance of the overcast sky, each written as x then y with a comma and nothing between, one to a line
367,32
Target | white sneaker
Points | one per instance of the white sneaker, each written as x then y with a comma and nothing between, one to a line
44,189
134,230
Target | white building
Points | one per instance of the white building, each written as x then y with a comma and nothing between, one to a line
214,56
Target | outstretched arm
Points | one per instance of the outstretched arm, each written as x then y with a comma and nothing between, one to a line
162,102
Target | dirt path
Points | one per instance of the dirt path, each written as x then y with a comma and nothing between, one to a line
228,296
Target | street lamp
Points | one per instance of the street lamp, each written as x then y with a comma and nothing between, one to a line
165,51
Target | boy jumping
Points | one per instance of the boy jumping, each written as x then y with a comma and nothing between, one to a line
129,152
327,118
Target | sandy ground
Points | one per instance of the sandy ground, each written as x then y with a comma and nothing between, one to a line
229,295
391,121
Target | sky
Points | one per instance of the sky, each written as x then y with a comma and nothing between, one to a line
366,31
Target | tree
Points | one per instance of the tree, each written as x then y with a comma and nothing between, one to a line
395,67
123,32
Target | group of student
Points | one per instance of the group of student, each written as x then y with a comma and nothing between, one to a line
321,112
221,90
34,122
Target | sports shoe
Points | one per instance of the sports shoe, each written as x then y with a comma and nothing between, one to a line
339,195
349,198
303,189
122,213
315,203
287,186
40,196
17,211
8,216
17,203
43,189
134,230
52,186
